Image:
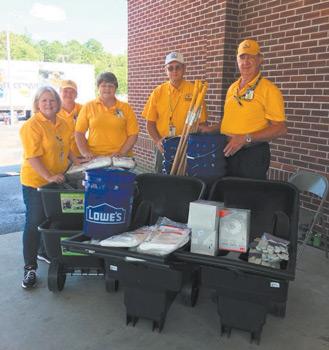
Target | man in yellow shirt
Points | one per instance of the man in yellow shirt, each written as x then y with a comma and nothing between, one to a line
70,109
166,109
253,116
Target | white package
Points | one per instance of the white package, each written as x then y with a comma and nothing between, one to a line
98,162
124,162
165,240
234,226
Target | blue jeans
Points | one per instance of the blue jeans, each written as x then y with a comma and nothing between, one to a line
34,216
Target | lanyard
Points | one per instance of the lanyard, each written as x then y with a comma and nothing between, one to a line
249,94
172,108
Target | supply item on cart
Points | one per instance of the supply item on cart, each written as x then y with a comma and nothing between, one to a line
64,208
159,239
269,251
247,292
102,162
108,202
204,155
151,282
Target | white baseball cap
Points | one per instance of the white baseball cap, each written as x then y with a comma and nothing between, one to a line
174,56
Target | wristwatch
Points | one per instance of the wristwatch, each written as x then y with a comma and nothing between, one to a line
248,138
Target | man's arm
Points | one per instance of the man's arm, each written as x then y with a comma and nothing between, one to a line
271,132
153,132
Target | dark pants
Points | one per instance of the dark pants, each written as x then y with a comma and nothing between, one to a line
250,162
158,162
34,216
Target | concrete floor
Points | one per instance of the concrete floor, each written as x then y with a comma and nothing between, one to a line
83,316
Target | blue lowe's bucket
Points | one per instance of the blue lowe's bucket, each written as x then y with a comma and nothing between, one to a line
205,156
108,202
170,145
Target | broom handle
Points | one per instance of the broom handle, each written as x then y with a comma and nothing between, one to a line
187,122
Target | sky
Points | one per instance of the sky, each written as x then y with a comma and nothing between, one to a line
64,20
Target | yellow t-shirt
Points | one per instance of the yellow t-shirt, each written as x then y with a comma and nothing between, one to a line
51,142
70,118
254,115
108,128
169,106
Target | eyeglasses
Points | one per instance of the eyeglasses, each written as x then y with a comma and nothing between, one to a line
175,68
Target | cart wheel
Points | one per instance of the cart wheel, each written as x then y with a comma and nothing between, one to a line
225,330
111,285
189,295
158,325
56,277
278,309
255,336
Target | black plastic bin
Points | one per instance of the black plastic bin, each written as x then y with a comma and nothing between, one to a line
63,201
63,261
150,282
63,222
247,292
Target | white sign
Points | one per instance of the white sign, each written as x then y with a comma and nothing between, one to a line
25,77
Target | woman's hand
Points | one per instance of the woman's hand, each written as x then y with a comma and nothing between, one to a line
58,178
87,156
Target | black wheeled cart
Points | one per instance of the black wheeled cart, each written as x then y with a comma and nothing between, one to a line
150,283
246,292
63,205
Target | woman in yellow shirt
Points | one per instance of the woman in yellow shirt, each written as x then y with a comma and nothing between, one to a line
112,124
46,141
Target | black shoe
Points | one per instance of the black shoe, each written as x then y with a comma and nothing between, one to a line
43,257
30,278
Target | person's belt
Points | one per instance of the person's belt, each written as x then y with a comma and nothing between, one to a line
254,144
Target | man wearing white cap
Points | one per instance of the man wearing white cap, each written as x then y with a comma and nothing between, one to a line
168,104
253,116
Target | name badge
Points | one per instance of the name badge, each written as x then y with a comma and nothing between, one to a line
188,97
119,113
249,95
172,130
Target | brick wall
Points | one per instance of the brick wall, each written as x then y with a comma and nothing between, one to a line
295,42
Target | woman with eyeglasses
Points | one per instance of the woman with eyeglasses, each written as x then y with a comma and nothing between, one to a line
253,116
111,124
46,140
166,109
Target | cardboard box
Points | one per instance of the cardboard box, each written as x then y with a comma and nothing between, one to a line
234,227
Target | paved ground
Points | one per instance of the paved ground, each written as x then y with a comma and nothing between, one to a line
85,317
11,151
11,203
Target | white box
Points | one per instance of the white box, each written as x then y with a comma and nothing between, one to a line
204,241
203,220
234,227
204,214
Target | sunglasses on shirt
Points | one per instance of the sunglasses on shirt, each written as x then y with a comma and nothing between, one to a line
175,68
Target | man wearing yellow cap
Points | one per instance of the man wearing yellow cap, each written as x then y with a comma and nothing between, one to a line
70,109
168,104
253,116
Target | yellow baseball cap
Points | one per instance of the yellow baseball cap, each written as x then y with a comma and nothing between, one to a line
69,84
249,46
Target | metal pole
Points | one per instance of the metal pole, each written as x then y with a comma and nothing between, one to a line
11,118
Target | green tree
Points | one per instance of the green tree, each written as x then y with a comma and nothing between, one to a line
91,52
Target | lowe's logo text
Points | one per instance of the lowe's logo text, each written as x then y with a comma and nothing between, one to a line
105,214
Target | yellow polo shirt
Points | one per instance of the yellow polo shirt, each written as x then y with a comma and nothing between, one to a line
109,127
169,106
70,118
51,142
254,115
